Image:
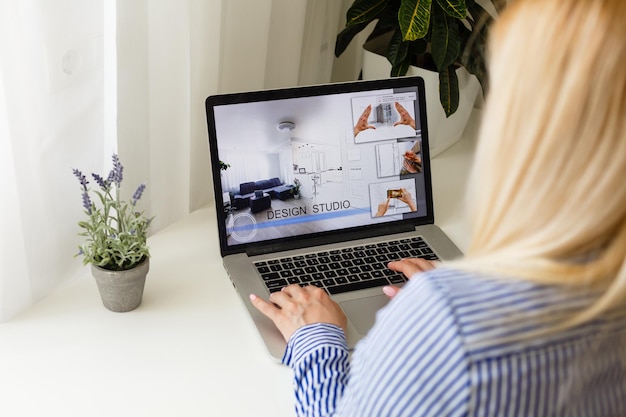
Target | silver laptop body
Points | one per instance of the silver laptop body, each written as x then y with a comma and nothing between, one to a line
357,153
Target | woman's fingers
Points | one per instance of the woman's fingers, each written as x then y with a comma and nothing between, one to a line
295,306
409,267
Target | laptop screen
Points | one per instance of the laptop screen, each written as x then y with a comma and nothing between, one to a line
319,161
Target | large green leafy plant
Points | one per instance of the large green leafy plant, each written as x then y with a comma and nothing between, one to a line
439,35
115,232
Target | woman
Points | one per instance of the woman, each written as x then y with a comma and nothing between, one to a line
532,322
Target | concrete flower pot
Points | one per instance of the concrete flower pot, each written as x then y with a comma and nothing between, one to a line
121,291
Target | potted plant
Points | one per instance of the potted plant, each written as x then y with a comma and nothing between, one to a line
224,166
439,35
115,240
295,190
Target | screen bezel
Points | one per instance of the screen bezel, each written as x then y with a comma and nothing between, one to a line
346,234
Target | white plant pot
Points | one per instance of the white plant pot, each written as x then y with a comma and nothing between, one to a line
443,131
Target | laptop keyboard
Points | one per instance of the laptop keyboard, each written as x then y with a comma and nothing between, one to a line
343,270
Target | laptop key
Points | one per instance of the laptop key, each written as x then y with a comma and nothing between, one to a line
361,285
377,274
397,279
341,280
365,275
330,274
270,276
277,283
328,282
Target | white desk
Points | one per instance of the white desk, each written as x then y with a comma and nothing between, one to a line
188,350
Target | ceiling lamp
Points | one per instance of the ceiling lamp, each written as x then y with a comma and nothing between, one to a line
286,126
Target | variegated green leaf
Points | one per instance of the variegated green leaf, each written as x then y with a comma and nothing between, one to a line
400,69
364,11
414,18
449,90
454,8
397,50
446,43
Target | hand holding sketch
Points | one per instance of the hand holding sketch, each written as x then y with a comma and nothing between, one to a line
405,117
362,125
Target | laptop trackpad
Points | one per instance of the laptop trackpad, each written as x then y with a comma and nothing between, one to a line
362,312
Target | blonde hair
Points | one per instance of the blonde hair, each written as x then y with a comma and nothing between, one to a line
547,193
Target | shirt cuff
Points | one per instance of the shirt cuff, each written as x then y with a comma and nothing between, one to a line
313,337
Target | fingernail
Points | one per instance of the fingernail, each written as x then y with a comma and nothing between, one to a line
389,291
252,297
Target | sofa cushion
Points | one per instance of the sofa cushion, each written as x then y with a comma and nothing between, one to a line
247,188
264,184
276,182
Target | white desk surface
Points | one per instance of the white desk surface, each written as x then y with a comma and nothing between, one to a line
190,349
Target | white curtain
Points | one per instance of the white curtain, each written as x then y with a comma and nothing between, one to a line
81,79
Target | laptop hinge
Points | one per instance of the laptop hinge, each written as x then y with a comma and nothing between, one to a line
324,240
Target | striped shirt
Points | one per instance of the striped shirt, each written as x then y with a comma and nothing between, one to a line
456,344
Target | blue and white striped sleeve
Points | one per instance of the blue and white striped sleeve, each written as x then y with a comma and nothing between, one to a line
412,363
318,354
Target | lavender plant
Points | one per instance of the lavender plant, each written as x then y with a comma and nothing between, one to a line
115,233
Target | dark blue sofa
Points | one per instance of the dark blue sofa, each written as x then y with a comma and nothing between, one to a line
273,186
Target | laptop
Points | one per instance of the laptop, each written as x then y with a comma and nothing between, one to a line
323,185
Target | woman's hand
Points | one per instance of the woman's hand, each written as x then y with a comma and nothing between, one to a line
296,306
361,124
409,267
408,199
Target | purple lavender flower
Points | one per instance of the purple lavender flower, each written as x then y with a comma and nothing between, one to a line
83,182
81,178
101,181
87,202
116,174
137,194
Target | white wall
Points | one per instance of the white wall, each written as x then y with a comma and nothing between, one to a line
172,54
